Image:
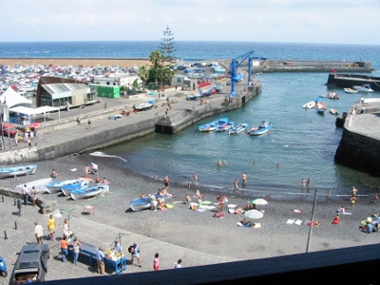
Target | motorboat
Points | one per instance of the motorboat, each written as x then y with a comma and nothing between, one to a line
79,184
309,105
263,128
333,95
334,112
39,185
56,186
320,107
88,192
140,204
17,170
363,88
145,106
237,129
225,127
350,90
213,125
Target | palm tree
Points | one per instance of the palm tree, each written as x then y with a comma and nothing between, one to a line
136,84
144,75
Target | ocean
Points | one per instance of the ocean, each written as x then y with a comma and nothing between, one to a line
301,143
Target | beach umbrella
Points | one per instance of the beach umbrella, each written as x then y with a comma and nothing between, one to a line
259,201
254,214
35,125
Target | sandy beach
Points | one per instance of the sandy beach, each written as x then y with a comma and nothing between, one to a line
201,231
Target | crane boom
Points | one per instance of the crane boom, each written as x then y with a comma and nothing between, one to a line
235,63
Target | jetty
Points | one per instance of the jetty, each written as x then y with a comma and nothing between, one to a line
349,80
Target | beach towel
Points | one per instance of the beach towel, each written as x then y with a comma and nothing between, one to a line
201,210
239,224
297,211
206,202
257,225
290,221
231,205
169,206
219,215
298,222
179,202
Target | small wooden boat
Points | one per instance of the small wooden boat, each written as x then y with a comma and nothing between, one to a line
140,204
56,186
363,88
17,170
79,184
39,185
309,105
88,192
350,90
225,127
145,106
320,107
238,129
334,112
333,96
213,125
263,128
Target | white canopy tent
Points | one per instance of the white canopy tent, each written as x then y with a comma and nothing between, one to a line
11,98
36,111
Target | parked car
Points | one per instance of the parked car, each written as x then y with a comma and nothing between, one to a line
31,264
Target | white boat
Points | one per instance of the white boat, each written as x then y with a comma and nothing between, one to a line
309,105
350,90
363,88
140,204
55,186
88,192
40,185
145,106
238,129
334,112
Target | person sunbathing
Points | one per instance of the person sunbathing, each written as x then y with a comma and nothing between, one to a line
198,195
247,223
161,204
336,220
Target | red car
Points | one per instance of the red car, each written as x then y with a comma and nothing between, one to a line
6,128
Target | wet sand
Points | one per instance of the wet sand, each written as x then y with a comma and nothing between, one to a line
201,231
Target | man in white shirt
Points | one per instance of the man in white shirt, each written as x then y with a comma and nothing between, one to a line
38,232
25,193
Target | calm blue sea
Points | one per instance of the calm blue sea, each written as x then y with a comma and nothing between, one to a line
302,142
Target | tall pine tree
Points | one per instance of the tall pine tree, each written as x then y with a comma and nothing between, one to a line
167,46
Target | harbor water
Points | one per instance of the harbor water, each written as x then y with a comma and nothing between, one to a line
301,143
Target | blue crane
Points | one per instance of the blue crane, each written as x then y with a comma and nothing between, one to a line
235,63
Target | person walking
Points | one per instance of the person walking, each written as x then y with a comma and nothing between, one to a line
244,178
135,252
25,193
51,227
76,247
64,248
195,177
68,106
156,262
34,195
38,232
100,260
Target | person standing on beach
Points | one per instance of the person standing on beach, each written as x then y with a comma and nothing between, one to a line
236,186
87,171
25,194
166,181
303,182
100,260
308,181
354,191
195,177
156,262
38,232
51,224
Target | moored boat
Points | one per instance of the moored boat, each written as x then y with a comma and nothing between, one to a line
225,127
145,106
334,112
350,90
333,95
140,204
363,88
13,171
309,105
213,125
263,128
320,107
194,96
79,184
237,129
88,192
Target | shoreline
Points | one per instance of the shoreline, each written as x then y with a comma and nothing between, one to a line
210,235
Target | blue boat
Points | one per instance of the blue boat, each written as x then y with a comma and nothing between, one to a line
18,170
140,204
263,128
66,189
56,186
238,129
225,127
320,107
213,125
88,192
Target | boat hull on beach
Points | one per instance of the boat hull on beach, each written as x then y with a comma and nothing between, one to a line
140,204
88,192
39,185
79,184
17,171
56,186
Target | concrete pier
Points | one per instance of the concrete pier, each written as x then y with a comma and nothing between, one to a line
349,80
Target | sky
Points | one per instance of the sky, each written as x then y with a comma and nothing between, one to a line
295,21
